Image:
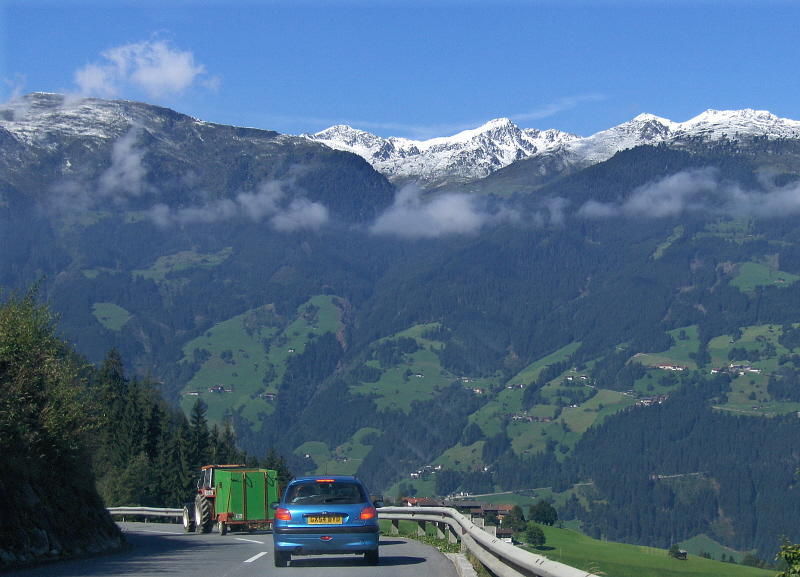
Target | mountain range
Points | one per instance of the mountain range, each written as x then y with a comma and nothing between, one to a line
615,318
476,153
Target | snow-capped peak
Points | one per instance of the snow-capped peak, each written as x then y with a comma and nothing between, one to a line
466,155
476,152
715,124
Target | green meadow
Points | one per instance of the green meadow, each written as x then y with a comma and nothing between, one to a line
686,343
180,261
344,459
111,316
752,275
622,560
530,373
417,377
247,355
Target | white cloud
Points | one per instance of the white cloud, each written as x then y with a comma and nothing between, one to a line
154,67
124,178
263,202
96,80
126,175
700,191
672,195
267,203
595,209
301,214
447,214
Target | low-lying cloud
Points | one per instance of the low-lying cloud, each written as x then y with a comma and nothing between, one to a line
409,216
280,202
126,175
412,217
154,67
124,178
699,191
269,202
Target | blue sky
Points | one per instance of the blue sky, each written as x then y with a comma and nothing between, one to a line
414,68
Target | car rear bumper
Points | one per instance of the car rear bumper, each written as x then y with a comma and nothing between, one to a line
314,541
327,530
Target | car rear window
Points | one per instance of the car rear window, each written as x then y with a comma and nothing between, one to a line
313,492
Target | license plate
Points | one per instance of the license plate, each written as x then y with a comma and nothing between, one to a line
324,520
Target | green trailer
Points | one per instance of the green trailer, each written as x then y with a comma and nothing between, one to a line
233,497
243,498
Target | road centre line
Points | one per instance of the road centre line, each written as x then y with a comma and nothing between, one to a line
254,557
249,540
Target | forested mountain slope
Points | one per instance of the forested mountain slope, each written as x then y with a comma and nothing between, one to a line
518,338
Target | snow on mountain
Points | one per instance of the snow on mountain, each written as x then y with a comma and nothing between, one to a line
41,120
715,124
37,117
470,154
475,153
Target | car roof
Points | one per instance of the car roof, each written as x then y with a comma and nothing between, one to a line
334,478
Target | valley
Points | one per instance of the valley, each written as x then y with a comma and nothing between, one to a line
614,323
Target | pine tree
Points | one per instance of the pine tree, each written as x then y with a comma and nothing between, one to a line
199,442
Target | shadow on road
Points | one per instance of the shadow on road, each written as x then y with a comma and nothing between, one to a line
145,553
351,561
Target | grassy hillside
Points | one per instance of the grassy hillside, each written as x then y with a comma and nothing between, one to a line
246,356
111,316
169,264
753,274
621,560
414,376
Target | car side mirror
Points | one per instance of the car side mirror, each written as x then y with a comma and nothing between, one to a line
378,503
273,505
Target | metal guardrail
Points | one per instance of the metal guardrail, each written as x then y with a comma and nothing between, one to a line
501,558
145,511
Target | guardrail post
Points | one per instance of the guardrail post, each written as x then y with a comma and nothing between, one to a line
395,528
421,526
439,530
452,536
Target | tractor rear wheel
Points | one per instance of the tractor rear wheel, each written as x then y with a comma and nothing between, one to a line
188,519
202,514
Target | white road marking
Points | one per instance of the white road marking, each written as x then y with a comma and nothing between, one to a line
249,540
254,557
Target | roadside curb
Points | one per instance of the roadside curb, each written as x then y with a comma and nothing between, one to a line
463,567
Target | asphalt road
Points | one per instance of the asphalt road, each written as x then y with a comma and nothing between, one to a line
164,550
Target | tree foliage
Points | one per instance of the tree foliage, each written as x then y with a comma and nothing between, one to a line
46,416
534,535
515,520
543,512
148,453
789,554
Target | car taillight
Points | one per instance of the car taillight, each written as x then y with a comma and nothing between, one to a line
283,514
368,513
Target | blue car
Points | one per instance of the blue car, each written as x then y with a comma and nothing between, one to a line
325,515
